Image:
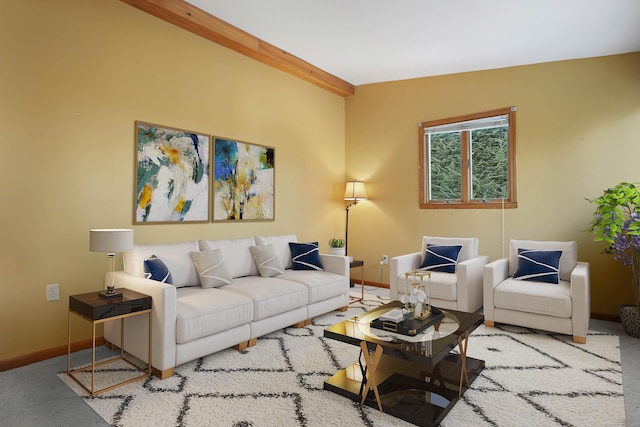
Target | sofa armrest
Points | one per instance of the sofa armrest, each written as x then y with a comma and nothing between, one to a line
335,264
163,354
399,265
580,299
492,274
469,282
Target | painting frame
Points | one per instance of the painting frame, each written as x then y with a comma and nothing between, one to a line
243,181
172,180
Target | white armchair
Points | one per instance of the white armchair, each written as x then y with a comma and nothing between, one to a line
461,290
564,307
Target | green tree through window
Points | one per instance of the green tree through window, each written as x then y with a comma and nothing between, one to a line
469,161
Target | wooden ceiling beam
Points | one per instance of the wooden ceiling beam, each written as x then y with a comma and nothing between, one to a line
199,22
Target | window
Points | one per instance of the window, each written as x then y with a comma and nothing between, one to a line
469,161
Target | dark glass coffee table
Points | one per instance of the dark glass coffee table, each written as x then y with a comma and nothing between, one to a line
414,378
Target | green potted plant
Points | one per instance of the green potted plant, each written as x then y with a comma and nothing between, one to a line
616,222
336,246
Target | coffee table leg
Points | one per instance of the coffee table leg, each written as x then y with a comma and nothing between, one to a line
462,345
372,365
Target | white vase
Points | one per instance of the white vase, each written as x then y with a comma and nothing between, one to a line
337,251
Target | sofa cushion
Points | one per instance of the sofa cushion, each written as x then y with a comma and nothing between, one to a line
534,297
155,269
175,255
469,246
568,260
203,312
305,256
281,244
267,261
321,285
211,268
538,266
270,295
441,258
236,254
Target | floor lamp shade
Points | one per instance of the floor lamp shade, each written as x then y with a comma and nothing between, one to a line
355,191
110,241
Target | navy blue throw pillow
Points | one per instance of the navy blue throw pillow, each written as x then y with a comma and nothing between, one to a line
441,258
155,269
305,256
538,266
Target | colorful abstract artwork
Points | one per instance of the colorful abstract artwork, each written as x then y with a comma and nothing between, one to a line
172,175
243,185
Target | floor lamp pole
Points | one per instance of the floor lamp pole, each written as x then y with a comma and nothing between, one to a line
346,233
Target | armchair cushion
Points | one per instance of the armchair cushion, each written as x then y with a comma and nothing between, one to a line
441,258
568,260
538,266
469,245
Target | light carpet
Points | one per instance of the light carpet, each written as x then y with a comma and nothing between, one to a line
531,378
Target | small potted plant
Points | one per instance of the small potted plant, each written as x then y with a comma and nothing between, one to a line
336,246
616,222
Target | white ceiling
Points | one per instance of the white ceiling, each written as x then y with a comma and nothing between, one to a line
370,41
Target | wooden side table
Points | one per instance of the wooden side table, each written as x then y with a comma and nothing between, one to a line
353,264
96,310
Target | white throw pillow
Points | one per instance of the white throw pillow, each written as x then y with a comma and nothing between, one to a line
266,258
281,245
211,268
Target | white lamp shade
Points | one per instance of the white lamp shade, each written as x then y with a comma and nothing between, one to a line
111,240
355,191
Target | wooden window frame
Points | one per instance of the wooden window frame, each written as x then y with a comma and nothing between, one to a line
511,202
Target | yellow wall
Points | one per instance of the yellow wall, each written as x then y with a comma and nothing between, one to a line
74,76
578,132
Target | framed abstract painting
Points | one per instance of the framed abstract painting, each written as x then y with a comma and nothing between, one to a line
172,175
243,181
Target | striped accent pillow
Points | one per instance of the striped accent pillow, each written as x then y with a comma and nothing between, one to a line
441,258
538,266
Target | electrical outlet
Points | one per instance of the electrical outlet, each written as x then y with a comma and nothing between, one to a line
53,292
385,259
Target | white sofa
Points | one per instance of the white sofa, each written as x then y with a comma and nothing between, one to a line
563,307
461,290
189,321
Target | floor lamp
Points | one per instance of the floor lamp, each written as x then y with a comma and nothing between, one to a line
354,192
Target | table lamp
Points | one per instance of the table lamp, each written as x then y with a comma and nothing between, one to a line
110,241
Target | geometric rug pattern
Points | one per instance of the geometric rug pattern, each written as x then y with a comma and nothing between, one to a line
531,378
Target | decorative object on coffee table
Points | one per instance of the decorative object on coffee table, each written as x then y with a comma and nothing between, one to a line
110,241
616,221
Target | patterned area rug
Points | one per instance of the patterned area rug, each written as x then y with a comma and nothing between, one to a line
531,378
